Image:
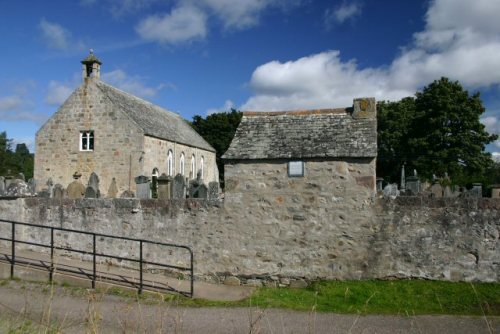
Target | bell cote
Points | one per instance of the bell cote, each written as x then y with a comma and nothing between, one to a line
91,66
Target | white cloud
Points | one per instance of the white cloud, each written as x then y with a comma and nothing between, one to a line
495,156
466,50
58,92
181,25
237,13
492,124
57,37
346,11
131,84
228,104
19,108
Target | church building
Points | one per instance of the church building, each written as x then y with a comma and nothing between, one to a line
102,129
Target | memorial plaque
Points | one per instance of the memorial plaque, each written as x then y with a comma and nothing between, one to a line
295,168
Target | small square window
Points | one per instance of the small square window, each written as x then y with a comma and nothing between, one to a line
86,140
296,168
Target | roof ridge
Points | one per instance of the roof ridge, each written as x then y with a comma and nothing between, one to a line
301,112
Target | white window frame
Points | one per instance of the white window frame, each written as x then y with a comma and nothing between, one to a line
170,163
193,167
202,167
89,138
182,164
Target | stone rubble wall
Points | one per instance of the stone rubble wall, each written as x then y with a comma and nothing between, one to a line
456,239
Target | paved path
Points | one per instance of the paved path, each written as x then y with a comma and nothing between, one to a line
89,311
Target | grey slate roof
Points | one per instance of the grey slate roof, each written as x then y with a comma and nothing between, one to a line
152,119
324,133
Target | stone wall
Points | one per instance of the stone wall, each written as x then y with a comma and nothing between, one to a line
407,237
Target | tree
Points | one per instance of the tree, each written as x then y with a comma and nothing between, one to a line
439,132
218,130
19,161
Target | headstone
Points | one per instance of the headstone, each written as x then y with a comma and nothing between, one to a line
32,186
403,181
213,191
44,193
447,192
127,194
164,186
94,183
413,185
477,190
90,192
380,182
495,191
202,191
76,189
391,190
58,191
178,187
50,185
113,189
2,186
143,188
436,190
20,176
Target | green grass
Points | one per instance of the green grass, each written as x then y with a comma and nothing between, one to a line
387,297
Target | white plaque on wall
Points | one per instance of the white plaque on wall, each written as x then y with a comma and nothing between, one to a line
295,168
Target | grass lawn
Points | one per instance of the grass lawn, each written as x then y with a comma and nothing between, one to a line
387,297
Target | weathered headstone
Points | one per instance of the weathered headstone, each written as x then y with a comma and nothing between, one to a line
76,189
380,182
391,190
2,186
143,188
94,183
127,194
436,190
90,192
58,191
113,189
20,176
495,191
477,190
413,185
178,187
447,192
164,186
213,191
202,191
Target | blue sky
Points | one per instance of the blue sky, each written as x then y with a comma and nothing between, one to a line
195,57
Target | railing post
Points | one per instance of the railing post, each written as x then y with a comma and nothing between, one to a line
192,273
140,267
13,250
94,263
51,273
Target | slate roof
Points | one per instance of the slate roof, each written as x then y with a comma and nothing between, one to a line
152,119
323,133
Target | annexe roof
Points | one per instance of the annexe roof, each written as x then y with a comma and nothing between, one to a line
152,119
322,133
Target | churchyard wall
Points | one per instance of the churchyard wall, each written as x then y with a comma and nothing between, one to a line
282,240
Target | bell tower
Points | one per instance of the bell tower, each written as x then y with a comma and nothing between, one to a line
91,66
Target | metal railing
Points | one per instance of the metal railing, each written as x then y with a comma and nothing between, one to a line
93,274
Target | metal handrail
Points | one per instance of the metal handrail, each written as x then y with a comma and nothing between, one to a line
95,254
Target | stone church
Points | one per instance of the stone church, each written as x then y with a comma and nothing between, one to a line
118,136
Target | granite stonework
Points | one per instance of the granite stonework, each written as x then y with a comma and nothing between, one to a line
286,237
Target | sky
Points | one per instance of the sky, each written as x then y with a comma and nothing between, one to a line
197,57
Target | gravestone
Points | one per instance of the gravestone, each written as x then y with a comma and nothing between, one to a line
477,190
94,183
32,186
113,189
58,191
44,193
202,191
380,182
495,191
127,194
76,189
143,187
20,176
50,185
2,186
447,192
164,186
178,187
436,190
90,192
413,185
391,190
213,191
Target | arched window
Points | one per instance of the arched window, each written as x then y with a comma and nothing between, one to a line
170,163
181,164
193,167
202,168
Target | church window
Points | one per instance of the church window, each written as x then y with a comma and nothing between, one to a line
193,167
170,163
181,164
86,140
202,169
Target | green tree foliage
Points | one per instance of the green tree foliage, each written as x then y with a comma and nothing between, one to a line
437,132
218,130
15,162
